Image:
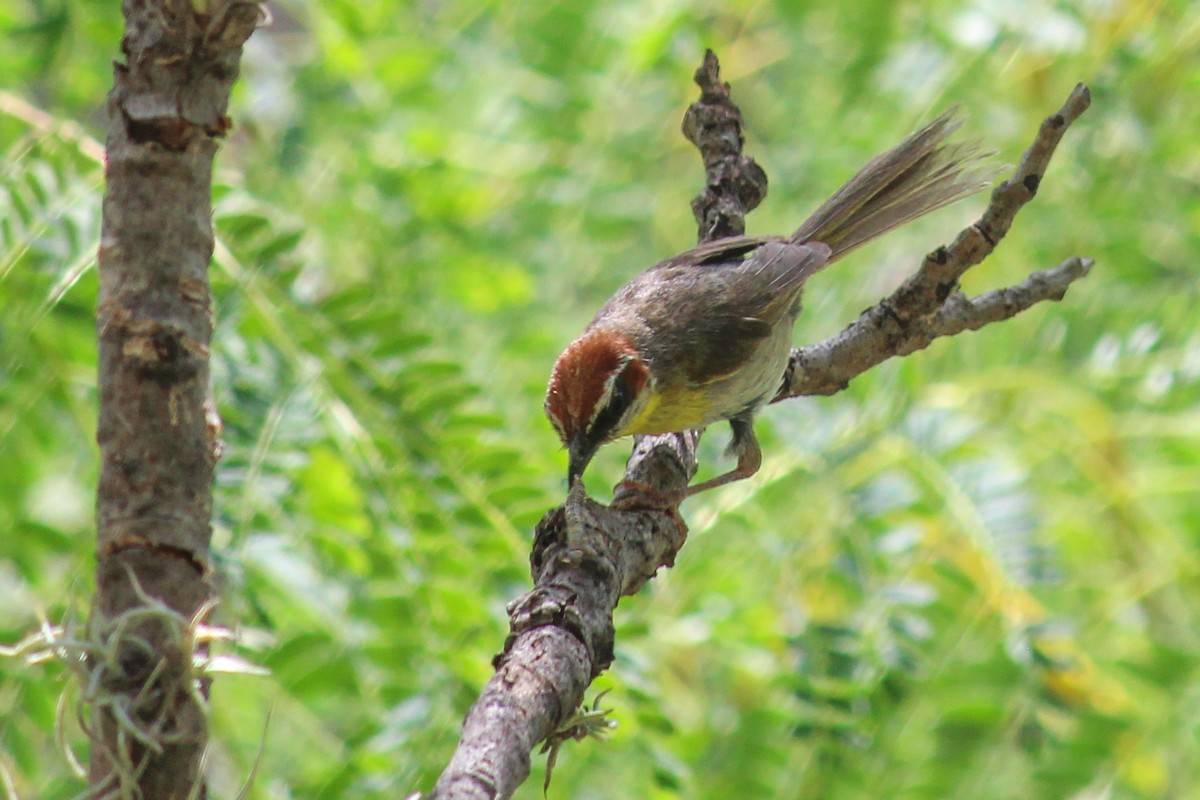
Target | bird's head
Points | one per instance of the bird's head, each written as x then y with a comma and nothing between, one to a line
599,386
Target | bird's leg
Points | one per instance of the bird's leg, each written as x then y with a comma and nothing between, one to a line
749,456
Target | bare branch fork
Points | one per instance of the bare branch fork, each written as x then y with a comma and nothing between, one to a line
586,556
928,305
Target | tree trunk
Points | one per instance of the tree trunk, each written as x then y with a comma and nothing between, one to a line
157,430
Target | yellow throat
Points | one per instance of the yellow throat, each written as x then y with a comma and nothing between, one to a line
673,410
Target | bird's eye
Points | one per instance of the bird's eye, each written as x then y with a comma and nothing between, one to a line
620,396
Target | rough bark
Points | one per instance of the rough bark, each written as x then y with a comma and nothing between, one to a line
586,556
157,431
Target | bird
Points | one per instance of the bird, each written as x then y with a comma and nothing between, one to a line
705,335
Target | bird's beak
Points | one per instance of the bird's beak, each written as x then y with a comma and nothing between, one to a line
581,451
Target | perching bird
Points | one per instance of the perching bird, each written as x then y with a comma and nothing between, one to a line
705,335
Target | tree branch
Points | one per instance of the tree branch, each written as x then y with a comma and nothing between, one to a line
587,556
928,305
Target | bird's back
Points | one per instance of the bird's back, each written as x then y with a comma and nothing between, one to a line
716,333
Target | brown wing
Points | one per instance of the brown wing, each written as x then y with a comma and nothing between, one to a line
724,252
731,304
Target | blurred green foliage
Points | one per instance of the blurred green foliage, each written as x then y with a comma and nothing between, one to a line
972,574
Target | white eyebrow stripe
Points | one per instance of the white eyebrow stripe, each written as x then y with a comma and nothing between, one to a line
610,384
604,399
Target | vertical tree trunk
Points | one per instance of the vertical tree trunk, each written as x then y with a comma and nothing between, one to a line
157,430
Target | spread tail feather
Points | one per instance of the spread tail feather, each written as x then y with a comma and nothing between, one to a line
917,176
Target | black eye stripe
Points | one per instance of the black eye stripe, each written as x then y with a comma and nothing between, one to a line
606,421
